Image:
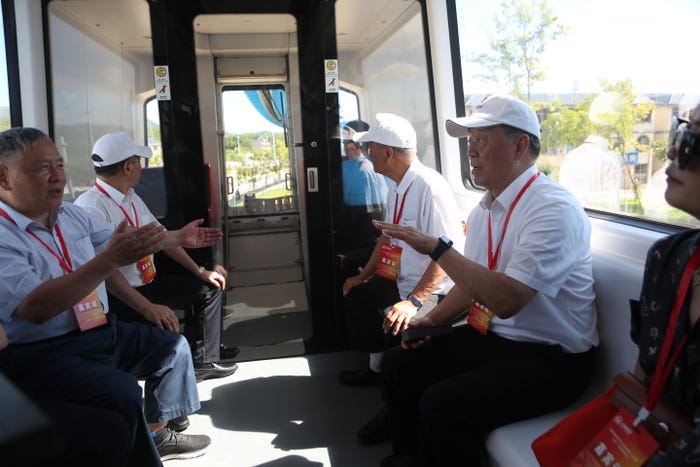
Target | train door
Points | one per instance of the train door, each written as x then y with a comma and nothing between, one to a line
269,151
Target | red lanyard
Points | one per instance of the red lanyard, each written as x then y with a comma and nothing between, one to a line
397,214
493,256
664,365
64,260
133,208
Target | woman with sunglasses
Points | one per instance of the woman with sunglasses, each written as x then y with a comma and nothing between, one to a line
652,315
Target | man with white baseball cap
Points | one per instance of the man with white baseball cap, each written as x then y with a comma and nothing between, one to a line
116,147
397,282
496,110
525,281
141,294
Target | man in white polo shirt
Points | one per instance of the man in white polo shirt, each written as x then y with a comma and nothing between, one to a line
117,162
524,277
397,280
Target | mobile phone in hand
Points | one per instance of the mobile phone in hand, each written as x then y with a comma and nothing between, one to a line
412,334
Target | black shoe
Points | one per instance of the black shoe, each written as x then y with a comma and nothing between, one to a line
213,370
377,430
228,352
179,424
359,378
174,445
403,460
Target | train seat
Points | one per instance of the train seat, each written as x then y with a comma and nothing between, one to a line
616,282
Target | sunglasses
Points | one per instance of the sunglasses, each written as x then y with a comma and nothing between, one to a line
685,143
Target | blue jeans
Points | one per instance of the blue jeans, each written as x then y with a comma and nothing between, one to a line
101,367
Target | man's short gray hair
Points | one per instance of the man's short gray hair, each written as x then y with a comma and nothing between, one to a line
405,152
16,140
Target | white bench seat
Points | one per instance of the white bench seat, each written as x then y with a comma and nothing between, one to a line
617,280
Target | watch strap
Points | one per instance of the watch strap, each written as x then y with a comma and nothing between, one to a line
416,301
443,245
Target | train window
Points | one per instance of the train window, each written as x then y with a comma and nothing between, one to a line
257,158
101,74
381,57
5,122
152,133
604,107
349,104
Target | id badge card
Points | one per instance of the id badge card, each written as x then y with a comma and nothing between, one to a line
89,312
479,317
389,260
618,444
147,269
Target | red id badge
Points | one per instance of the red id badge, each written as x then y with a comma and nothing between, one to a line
479,317
89,312
389,260
147,270
618,444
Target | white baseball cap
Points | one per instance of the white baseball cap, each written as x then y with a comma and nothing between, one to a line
116,147
496,110
389,130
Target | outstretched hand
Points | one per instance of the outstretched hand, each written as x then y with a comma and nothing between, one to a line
419,241
128,245
194,236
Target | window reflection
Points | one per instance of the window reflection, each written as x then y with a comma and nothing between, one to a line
5,122
605,112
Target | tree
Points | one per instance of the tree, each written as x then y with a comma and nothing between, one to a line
564,126
523,31
618,123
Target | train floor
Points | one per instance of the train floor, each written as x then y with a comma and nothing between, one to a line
286,412
282,408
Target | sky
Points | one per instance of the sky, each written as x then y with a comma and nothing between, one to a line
646,40
236,104
649,41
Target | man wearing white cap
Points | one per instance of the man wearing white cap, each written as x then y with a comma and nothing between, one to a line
526,280
397,280
117,162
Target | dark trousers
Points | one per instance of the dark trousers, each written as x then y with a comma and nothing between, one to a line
88,436
443,400
100,368
201,302
364,307
364,311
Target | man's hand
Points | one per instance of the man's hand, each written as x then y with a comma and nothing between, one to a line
128,245
162,316
351,283
194,236
420,242
3,338
214,278
221,270
423,322
398,317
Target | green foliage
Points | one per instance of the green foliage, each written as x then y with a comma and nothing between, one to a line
618,123
659,149
545,167
563,126
523,31
157,159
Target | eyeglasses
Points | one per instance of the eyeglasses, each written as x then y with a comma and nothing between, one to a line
685,143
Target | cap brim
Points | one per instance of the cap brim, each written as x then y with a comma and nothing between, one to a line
459,127
143,151
360,137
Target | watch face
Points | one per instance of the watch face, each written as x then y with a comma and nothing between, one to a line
446,240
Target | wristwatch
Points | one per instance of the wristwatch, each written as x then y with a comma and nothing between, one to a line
416,302
443,245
